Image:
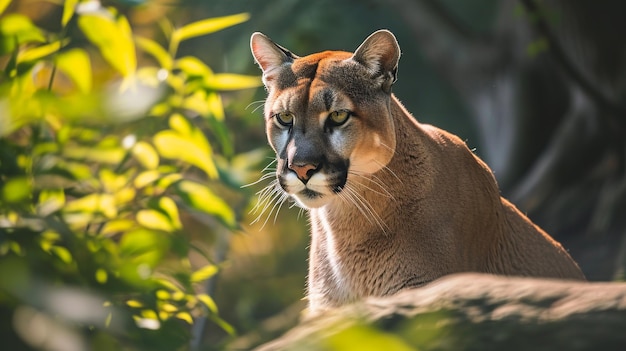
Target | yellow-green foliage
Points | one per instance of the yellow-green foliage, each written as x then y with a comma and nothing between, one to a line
107,165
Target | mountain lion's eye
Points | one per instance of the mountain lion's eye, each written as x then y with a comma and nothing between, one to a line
338,118
284,118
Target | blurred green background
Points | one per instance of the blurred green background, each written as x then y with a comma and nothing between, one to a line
129,128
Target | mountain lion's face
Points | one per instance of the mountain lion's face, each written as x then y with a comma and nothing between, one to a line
327,117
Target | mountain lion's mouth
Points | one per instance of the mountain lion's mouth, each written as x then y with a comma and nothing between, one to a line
311,194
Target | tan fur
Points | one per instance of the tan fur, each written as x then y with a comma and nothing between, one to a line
416,205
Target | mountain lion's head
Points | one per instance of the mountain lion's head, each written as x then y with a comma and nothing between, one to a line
328,115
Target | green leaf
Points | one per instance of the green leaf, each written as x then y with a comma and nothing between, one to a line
113,155
69,7
145,178
38,52
94,203
204,273
76,65
118,225
155,50
50,200
208,302
17,29
144,246
168,206
186,143
229,81
16,190
185,316
113,39
62,253
197,102
101,276
153,219
193,67
146,155
223,324
215,106
204,27
180,124
173,145
200,197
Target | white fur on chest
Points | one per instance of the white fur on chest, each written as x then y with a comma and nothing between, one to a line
341,288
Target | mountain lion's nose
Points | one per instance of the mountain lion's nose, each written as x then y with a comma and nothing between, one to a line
304,171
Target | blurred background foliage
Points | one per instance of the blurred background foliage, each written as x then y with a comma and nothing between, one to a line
128,128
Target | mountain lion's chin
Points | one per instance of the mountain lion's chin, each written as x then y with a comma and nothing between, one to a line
309,199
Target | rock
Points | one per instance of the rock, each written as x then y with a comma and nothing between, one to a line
473,312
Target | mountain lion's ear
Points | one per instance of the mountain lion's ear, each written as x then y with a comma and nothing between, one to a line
380,53
268,54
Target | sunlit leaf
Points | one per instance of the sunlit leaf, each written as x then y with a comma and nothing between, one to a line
162,294
76,65
168,206
208,302
178,295
222,324
134,304
17,29
155,50
185,316
69,7
168,285
168,307
116,226
197,102
143,246
112,181
146,155
3,5
168,180
229,81
50,200
193,67
208,26
113,39
173,145
204,273
180,124
62,253
39,52
154,219
201,198
104,155
124,196
101,276
16,190
145,178
215,106
204,27
94,203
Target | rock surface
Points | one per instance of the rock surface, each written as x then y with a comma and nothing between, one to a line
473,312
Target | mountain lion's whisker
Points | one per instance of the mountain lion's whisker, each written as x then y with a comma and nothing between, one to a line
265,194
375,180
271,197
259,102
390,171
262,178
365,208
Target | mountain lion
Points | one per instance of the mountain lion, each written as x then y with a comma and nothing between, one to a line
393,203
